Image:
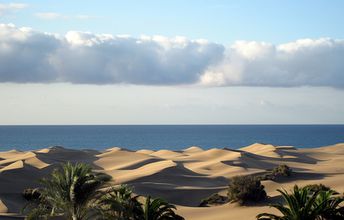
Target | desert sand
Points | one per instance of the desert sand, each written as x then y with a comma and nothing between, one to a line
182,177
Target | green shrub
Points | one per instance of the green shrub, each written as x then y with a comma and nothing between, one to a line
318,187
214,199
266,176
281,170
244,189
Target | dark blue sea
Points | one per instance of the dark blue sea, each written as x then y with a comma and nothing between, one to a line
175,137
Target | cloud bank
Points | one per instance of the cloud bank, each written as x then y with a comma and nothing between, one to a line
304,62
28,56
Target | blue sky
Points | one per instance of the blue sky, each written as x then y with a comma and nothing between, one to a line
219,21
171,62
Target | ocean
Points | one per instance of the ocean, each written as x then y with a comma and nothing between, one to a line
174,137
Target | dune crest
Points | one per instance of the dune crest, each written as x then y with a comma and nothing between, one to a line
268,150
167,154
192,149
144,151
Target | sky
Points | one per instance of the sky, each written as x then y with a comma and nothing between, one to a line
171,62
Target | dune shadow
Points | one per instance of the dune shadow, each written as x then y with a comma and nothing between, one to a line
59,155
176,182
300,176
15,180
187,197
250,160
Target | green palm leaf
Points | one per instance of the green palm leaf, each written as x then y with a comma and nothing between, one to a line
306,204
70,192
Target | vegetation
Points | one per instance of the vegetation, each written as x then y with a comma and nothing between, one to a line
122,205
159,209
73,193
318,187
119,203
214,199
305,204
69,192
31,194
281,170
244,189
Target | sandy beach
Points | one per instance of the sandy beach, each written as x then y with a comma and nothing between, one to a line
182,177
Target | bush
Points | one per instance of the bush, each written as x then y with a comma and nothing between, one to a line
214,199
267,176
31,194
281,170
318,187
244,189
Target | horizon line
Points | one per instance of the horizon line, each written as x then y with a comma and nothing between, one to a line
187,124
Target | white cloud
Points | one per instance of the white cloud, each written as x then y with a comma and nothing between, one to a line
49,15
10,7
54,15
80,57
305,62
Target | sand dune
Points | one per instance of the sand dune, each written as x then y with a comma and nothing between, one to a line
268,150
167,154
182,177
193,149
10,154
35,162
21,156
144,151
123,176
15,165
118,159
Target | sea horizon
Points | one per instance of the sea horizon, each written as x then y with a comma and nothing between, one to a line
186,124
171,137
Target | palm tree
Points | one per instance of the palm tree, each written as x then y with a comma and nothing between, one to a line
119,203
159,209
329,206
69,192
303,204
